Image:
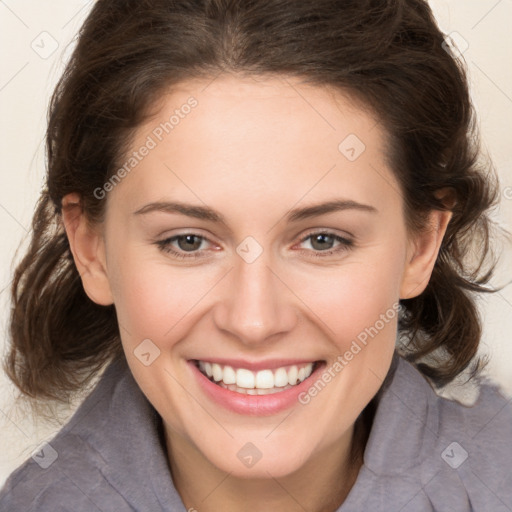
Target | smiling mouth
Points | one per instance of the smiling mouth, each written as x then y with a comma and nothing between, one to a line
262,382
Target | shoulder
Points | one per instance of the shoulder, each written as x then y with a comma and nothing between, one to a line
426,452
68,472
486,420
476,442
482,430
466,451
64,475
109,457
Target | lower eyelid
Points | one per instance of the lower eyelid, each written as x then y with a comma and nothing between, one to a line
166,245
338,238
167,242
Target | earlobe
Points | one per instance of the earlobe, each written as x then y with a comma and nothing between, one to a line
422,255
88,250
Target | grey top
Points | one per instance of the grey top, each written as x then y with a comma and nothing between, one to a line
424,453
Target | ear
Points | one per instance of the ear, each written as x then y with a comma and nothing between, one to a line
422,254
88,250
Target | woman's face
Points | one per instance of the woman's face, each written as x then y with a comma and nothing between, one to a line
259,237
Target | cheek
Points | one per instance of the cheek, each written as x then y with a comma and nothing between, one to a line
361,311
153,299
352,298
159,301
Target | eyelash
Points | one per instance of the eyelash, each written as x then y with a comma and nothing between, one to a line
345,244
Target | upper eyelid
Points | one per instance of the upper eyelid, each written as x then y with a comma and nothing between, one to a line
302,239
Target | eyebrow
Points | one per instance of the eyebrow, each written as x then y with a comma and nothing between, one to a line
297,214
328,207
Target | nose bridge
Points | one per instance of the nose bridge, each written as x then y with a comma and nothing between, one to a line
256,304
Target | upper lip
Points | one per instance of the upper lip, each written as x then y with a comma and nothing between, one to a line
269,364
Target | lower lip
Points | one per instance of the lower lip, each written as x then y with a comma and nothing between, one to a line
254,405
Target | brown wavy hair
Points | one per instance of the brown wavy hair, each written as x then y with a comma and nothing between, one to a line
388,54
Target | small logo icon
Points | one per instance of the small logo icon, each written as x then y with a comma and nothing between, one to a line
455,44
454,455
249,249
44,45
146,352
45,455
351,147
249,455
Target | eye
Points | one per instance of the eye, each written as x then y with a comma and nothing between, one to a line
322,243
185,243
190,245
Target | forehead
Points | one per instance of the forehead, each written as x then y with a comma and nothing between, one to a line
261,106
243,135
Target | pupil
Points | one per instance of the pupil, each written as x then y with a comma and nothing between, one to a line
321,238
189,239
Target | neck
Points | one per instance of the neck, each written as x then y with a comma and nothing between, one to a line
321,484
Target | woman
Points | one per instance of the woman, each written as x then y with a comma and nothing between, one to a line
257,218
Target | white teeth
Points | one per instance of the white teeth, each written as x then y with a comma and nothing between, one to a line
229,376
244,378
293,373
217,372
265,379
256,383
253,391
281,378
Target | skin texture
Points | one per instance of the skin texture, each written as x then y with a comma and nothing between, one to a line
253,149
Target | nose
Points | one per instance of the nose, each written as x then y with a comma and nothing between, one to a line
257,305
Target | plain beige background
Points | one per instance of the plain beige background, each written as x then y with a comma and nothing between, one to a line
36,38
